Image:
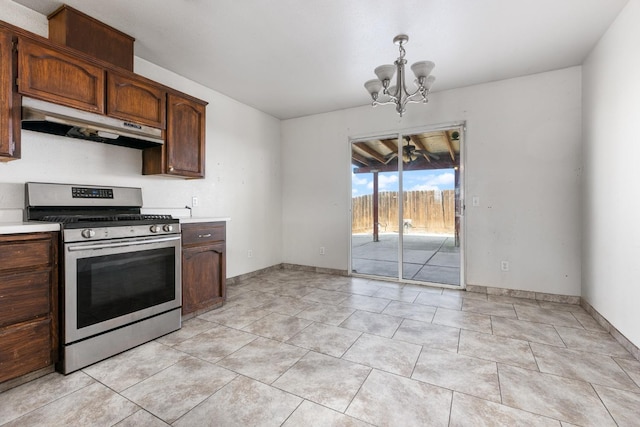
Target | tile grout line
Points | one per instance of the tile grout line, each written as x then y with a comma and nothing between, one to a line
603,404
358,391
54,400
292,412
499,383
453,395
615,359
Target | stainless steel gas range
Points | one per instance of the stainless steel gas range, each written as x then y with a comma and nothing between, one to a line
120,275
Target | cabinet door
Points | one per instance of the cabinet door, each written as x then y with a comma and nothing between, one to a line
51,75
25,348
134,100
25,296
185,137
203,276
9,100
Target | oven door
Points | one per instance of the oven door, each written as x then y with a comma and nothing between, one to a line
109,284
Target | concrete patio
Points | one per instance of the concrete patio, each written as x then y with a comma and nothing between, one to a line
426,258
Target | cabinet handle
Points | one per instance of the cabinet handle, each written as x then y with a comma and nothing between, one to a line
204,235
171,169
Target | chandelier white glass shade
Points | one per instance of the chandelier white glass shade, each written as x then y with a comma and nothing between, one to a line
399,94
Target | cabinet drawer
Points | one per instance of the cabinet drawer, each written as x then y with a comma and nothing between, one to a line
204,232
17,254
24,296
24,348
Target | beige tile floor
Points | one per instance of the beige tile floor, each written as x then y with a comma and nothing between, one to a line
301,349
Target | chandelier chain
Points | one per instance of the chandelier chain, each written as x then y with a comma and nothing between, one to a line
402,51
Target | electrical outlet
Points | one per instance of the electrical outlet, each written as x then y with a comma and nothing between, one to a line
475,201
504,265
321,250
194,201
249,253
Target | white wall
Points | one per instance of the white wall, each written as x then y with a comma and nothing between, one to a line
522,160
611,230
242,165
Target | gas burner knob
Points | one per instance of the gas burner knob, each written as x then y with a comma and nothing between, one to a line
88,233
154,228
167,228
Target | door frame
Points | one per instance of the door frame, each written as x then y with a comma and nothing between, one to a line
461,196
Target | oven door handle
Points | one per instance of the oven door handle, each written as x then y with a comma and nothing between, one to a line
122,244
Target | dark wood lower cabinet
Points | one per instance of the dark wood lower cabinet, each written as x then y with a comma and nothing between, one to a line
26,347
28,303
203,266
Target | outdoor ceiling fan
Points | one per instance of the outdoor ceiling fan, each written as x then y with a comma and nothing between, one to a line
410,153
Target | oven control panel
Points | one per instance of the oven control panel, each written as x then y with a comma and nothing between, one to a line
91,193
119,232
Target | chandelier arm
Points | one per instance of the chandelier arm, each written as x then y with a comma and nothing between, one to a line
390,102
422,91
417,101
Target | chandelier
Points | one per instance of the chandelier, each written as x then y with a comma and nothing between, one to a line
398,94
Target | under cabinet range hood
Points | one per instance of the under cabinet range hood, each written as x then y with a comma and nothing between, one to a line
46,117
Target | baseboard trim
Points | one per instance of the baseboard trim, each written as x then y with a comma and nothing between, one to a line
236,279
516,293
284,266
322,270
615,333
201,311
15,382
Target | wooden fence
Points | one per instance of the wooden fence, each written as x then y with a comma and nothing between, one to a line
424,212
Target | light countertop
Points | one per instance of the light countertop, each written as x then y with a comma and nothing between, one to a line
184,215
203,219
10,224
28,227
19,227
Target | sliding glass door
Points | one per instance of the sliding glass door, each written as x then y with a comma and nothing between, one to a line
374,207
406,210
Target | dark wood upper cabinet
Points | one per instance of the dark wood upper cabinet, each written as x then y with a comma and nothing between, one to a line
52,75
133,99
72,28
47,70
185,137
9,99
183,153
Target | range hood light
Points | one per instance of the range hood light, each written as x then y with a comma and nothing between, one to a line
107,135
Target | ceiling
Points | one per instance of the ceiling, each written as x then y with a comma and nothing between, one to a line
291,58
430,150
